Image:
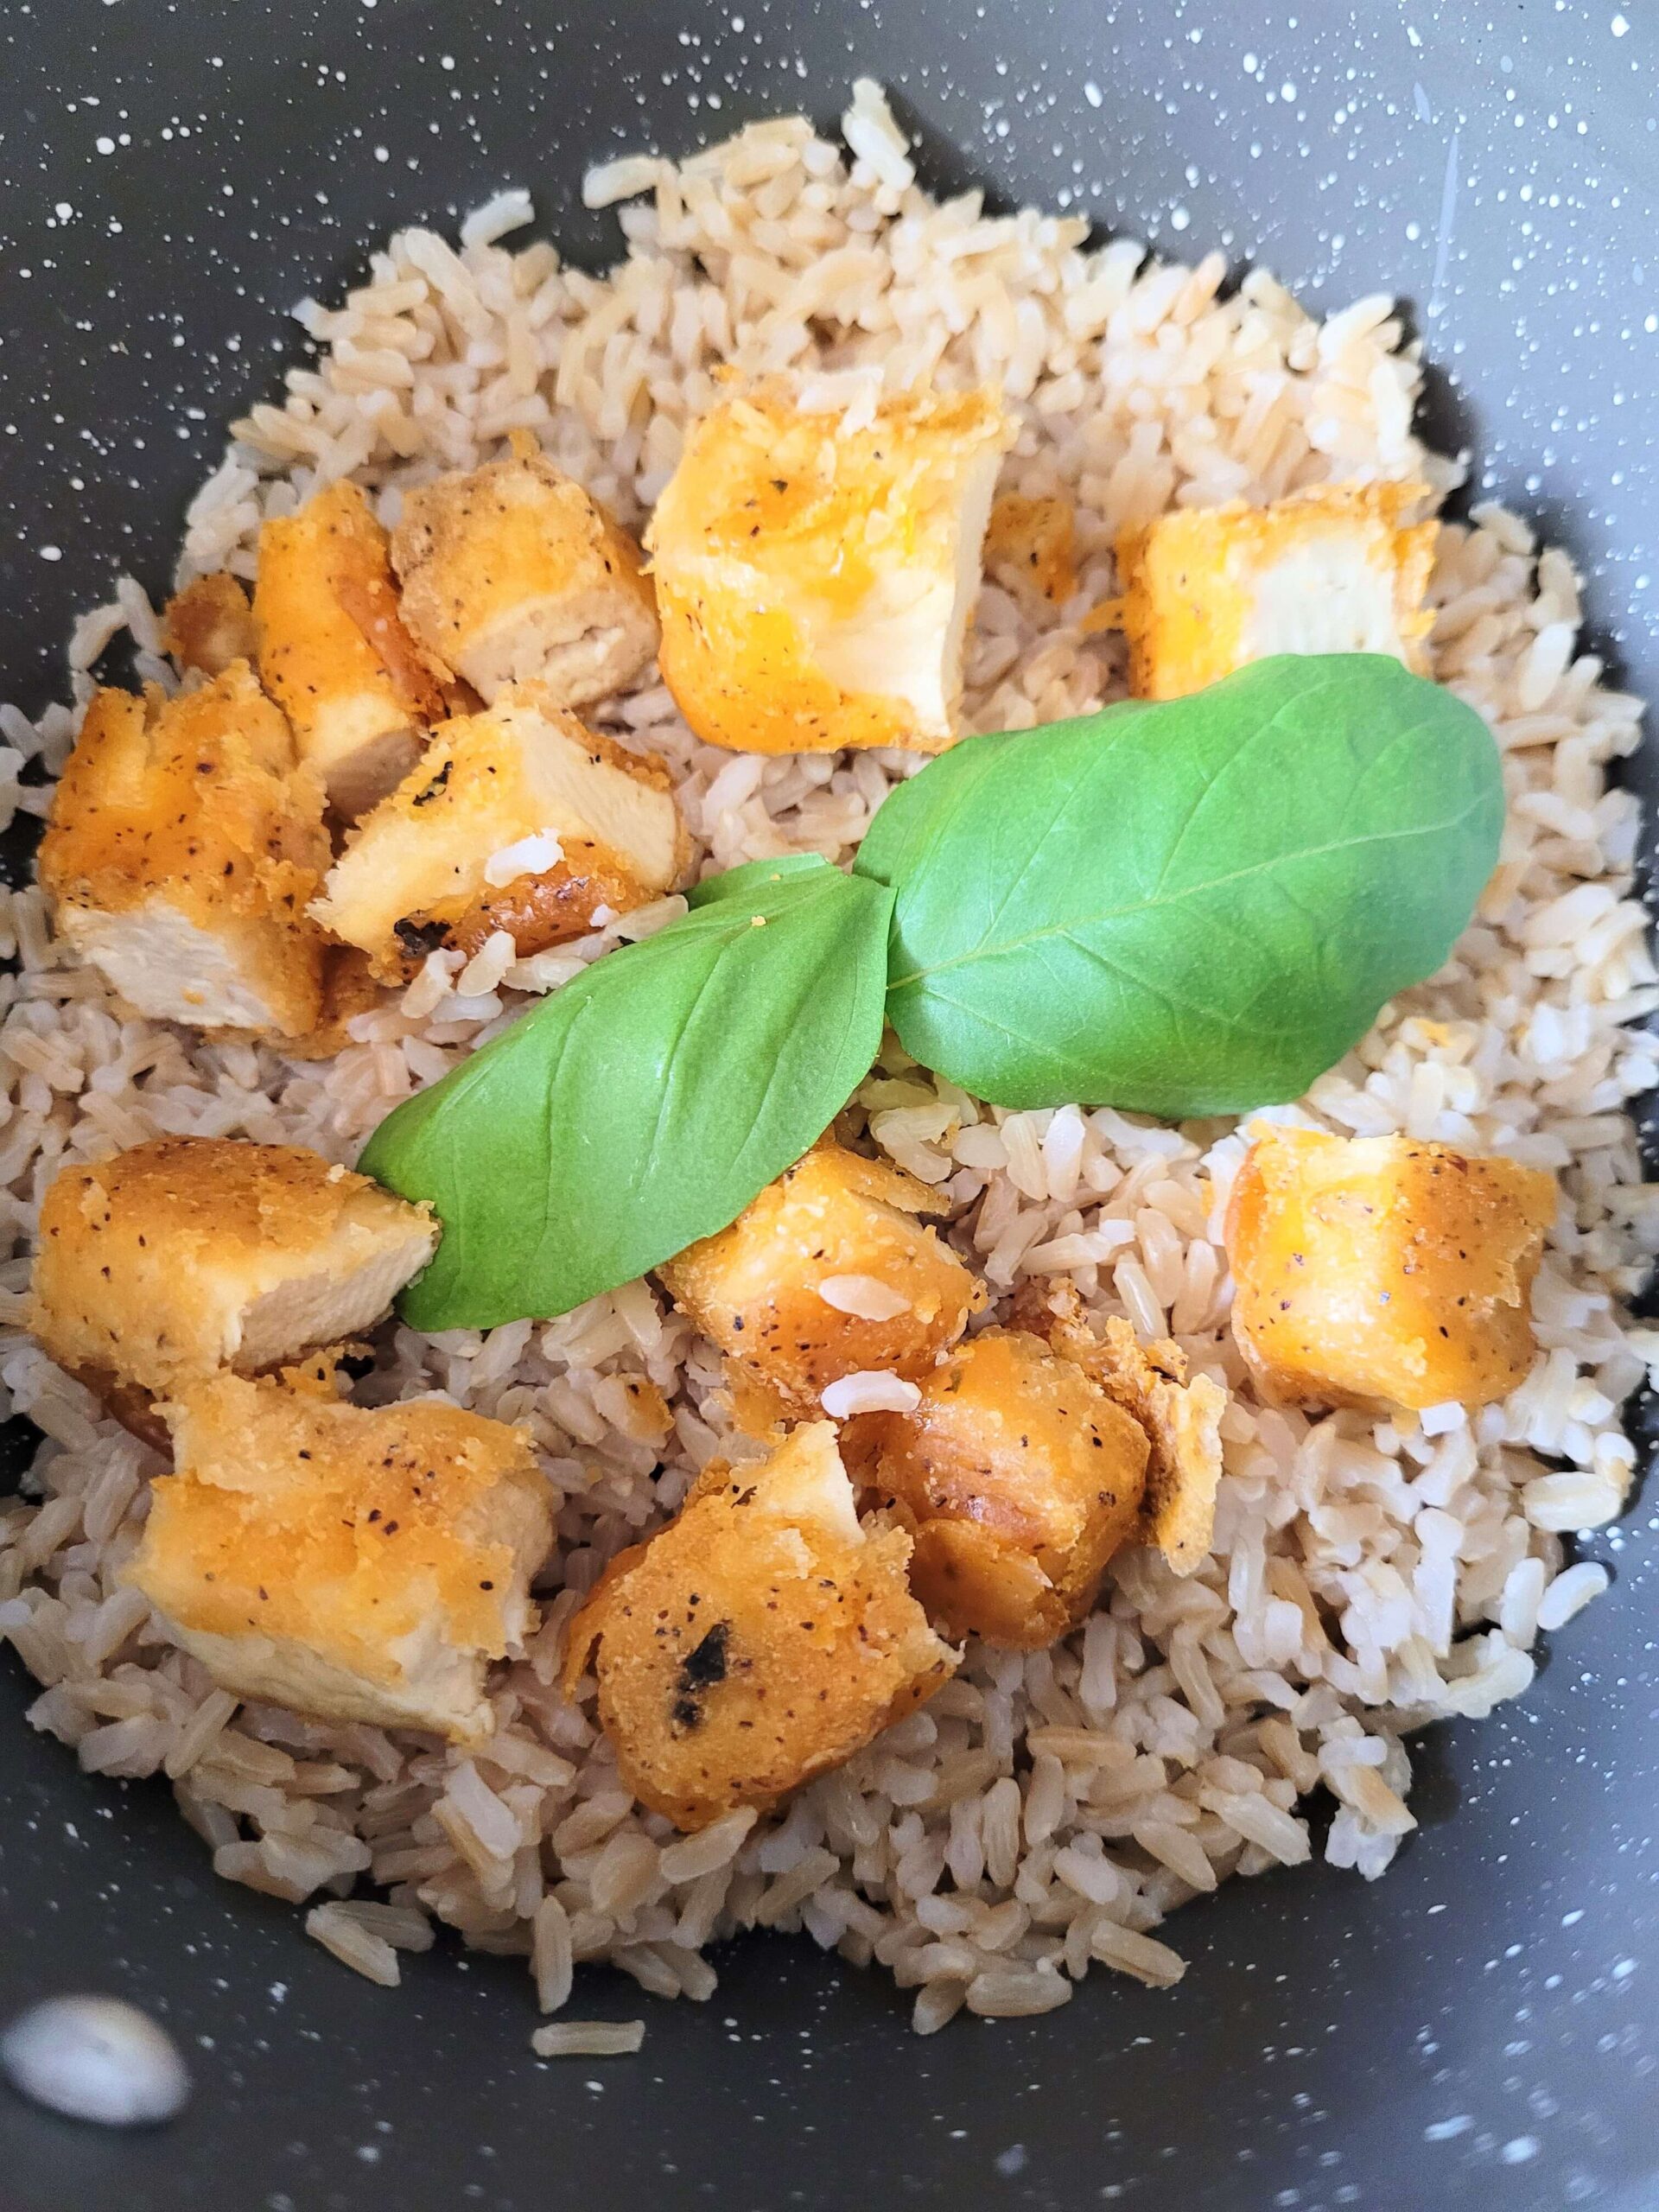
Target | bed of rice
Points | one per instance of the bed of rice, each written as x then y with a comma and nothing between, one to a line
1048,1809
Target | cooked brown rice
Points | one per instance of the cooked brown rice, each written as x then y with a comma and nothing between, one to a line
1048,1808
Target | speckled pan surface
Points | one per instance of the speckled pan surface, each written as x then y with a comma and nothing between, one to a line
1479,2029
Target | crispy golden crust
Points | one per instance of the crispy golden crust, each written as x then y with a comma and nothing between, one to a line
349,987
1031,547
191,791
537,911
513,572
1384,1270
1020,1479
1190,579
755,1289
783,540
139,1411
362,1564
193,803
332,650
210,624
1181,1419
759,1639
413,879
162,1263
370,598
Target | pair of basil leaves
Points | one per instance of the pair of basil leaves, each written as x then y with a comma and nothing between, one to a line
1187,908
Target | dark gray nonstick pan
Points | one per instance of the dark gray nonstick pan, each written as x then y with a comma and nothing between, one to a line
1479,2028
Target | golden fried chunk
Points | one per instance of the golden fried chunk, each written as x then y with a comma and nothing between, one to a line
1181,1419
518,818
209,624
188,1254
349,987
1019,1477
361,1566
1382,1269
1336,570
828,1273
815,583
762,1637
333,651
513,574
1031,547
182,852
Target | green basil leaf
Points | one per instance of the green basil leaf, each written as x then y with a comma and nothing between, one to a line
1189,907
743,882
645,1104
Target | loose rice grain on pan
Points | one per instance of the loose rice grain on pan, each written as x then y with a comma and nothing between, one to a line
1046,1810
589,2039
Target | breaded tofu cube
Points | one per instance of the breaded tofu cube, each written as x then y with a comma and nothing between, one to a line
1382,1269
517,818
356,1565
761,1638
513,574
166,1263
1181,1419
1019,1477
210,624
816,581
333,651
829,1273
182,852
1336,570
